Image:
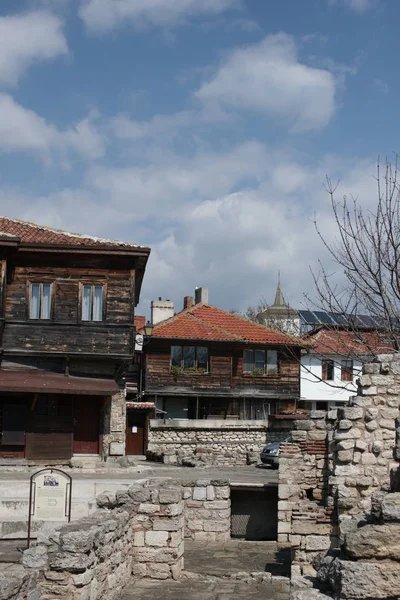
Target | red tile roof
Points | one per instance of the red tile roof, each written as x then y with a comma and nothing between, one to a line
30,233
338,341
205,322
139,321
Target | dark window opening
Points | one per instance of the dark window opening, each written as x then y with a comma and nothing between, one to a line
347,370
260,362
327,370
190,358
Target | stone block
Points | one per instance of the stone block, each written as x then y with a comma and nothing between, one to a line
362,580
352,433
158,571
345,456
317,435
345,424
216,525
287,491
168,523
346,444
390,507
371,425
360,445
148,509
35,558
352,413
169,496
138,538
374,542
210,495
156,538
199,493
317,542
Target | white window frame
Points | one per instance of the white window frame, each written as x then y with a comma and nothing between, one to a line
41,316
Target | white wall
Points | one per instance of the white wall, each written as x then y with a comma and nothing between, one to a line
312,388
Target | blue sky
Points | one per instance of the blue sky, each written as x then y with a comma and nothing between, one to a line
203,129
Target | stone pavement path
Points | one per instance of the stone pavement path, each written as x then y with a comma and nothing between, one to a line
200,589
208,568
236,556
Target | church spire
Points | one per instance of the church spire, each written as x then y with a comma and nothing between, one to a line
279,299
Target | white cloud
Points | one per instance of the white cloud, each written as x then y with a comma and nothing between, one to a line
21,129
162,188
101,16
269,79
358,6
26,39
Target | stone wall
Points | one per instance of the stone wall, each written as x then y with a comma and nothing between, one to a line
219,443
207,510
340,507
114,422
138,532
305,510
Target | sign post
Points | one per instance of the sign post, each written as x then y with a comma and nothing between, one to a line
50,497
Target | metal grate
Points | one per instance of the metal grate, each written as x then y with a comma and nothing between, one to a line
254,514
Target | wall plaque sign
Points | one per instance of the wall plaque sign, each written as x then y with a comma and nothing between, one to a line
50,497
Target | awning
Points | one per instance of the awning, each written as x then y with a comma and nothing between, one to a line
55,383
141,405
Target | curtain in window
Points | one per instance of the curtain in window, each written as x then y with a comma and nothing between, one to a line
35,301
259,360
98,303
86,302
45,308
202,357
188,357
248,361
176,356
272,361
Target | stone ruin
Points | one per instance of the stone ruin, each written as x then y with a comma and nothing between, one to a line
339,494
136,533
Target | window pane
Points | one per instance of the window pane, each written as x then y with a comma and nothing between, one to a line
35,301
327,370
86,302
176,356
98,303
247,361
188,357
347,370
202,357
45,307
272,361
259,359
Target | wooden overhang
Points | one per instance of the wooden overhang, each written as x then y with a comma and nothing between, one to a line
55,383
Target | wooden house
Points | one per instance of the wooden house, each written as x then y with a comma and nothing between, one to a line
205,363
67,341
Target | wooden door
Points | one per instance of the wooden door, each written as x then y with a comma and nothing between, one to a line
86,424
136,424
50,426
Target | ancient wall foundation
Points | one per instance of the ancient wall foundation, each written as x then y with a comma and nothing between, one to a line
207,510
206,442
339,505
114,423
136,533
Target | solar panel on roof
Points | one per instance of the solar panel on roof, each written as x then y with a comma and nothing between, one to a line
307,316
324,317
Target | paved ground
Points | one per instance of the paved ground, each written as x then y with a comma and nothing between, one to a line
258,475
200,589
207,568
235,556
9,552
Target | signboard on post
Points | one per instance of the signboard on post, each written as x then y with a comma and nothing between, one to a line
50,497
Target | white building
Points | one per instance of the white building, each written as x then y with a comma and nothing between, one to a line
328,376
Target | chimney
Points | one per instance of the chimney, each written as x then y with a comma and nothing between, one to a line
201,295
188,302
161,310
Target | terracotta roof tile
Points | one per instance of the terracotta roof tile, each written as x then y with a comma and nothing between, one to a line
30,233
139,321
337,341
205,322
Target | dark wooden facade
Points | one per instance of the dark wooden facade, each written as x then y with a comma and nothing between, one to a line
224,390
57,374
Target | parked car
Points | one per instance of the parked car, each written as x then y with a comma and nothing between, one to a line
270,453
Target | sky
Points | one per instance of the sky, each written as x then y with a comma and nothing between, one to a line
204,129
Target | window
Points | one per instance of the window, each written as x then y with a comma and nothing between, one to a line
92,303
189,358
40,301
260,362
347,370
327,370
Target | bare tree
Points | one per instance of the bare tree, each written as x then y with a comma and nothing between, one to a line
367,252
